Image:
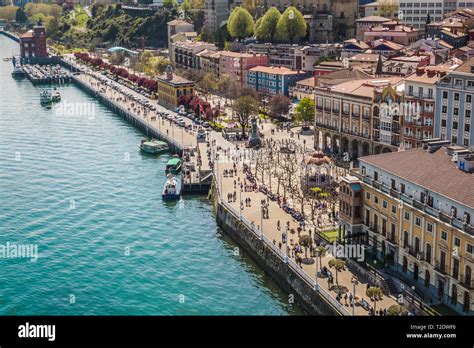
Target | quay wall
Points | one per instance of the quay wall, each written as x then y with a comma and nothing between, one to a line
273,264
10,35
135,120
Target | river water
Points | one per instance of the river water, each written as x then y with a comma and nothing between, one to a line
73,184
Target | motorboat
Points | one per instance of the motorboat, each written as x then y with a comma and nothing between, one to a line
172,188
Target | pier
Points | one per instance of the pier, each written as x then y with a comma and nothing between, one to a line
197,174
47,74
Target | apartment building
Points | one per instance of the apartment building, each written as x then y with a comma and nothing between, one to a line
274,80
413,211
354,117
393,31
293,56
415,13
453,117
185,53
235,64
215,12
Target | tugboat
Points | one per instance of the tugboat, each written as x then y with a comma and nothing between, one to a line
172,188
18,71
153,146
46,99
174,165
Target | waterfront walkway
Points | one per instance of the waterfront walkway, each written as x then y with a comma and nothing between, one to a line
251,215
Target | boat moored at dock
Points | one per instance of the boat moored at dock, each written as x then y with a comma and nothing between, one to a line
174,165
18,71
153,146
172,188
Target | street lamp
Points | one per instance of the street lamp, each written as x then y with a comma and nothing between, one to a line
286,243
240,199
316,286
354,283
261,220
413,297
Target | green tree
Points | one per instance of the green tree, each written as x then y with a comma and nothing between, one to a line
251,6
240,24
338,265
207,84
170,4
206,35
267,27
20,16
185,7
52,26
291,25
304,111
397,310
375,294
245,108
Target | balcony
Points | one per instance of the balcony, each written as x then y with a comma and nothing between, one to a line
394,193
441,267
468,283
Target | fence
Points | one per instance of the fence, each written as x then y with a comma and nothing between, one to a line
292,264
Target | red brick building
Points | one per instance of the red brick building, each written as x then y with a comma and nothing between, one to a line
33,44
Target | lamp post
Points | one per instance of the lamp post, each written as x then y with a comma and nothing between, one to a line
240,199
286,243
316,286
413,297
354,283
261,220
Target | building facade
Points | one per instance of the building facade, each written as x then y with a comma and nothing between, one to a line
215,12
171,87
453,113
354,117
274,80
33,45
235,65
407,217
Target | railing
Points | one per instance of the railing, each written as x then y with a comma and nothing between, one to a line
298,270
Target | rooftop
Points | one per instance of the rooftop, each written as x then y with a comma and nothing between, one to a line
433,171
176,80
373,19
275,70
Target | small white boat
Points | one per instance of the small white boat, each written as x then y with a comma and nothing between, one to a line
46,98
172,188
56,97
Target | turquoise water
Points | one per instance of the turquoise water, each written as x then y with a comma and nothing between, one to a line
77,187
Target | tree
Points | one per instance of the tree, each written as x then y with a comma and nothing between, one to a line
20,16
206,35
244,108
304,111
240,24
170,4
279,105
397,310
375,294
207,85
321,252
338,265
185,7
267,27
251,6
291,25
306,242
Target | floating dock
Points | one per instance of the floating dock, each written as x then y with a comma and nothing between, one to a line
47,74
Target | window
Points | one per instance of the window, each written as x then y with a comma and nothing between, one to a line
429,227
376,176
455,111
470,248
402,188
468,98
444,235
384,204
407,215
457,241
376,200
444,109
456,95
367,195
445,94
394,209
417,221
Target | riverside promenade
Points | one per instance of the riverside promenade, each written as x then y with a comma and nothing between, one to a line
264,229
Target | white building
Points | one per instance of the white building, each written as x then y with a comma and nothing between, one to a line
415,12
